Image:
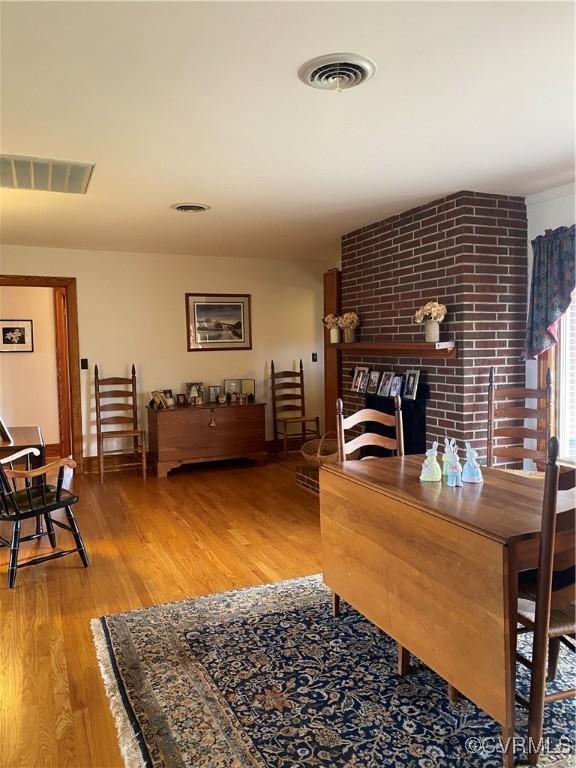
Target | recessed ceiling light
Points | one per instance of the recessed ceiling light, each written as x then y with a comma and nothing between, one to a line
190,207
336,71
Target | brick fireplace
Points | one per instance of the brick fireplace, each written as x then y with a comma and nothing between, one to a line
469,251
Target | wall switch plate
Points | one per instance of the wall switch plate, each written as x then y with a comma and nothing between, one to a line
314,357
84,363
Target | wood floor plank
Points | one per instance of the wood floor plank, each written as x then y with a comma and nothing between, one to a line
203,530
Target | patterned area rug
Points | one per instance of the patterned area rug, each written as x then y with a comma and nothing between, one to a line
266,678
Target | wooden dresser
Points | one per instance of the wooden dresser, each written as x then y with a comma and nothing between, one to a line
208,432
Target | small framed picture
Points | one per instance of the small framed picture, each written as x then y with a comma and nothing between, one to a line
232,386
16,336
385,382
158,400
373,381
169,397
412,377
195,392
359,372
249,387
181,401
213,392
363,385
396,386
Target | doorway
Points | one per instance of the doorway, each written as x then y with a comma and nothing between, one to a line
67,357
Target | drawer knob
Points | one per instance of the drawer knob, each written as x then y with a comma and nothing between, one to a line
212,419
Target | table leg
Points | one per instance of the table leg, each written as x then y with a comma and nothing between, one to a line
403,661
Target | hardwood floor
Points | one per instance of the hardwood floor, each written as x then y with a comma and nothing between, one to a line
205,529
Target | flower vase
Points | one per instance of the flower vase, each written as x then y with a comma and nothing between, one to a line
349,335
432,330
334,335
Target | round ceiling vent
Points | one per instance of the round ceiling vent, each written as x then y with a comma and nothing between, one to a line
336,71
191,207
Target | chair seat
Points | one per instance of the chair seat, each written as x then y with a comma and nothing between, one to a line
533,474
40,503
562,620
296,419
563,586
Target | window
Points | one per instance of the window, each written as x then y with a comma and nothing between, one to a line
566,383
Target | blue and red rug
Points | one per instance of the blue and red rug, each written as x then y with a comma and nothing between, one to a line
267,678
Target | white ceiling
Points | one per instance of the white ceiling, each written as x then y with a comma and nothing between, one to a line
201,102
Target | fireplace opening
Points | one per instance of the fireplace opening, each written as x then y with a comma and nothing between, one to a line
413,420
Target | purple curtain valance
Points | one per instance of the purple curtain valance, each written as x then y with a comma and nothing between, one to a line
553,280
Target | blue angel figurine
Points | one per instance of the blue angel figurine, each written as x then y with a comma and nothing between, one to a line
472,472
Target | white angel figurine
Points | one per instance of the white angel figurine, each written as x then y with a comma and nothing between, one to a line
431,471
446,456
472,472
454,466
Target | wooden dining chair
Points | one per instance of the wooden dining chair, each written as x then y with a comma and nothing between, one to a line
364,416
366,439
547,604
289,406
121,423
506,414
27,494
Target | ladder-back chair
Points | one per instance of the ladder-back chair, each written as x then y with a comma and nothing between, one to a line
289,406
122,421
503,407
26,494
546,606
345,449
369,415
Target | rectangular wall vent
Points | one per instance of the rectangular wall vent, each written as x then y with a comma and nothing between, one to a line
18,172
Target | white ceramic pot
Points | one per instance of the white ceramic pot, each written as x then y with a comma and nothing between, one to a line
334,335
432,330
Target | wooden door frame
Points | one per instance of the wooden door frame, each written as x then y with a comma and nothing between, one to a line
68,359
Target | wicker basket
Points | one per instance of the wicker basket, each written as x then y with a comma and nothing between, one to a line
319,451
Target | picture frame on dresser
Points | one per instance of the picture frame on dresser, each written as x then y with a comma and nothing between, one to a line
232,386
195,392
213,391
248,387
218,321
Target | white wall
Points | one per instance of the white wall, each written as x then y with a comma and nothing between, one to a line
28,383
546,210
131,309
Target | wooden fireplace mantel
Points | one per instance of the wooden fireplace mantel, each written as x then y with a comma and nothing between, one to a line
398,349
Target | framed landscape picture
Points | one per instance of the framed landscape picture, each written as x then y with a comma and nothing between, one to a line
218,321
16,336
